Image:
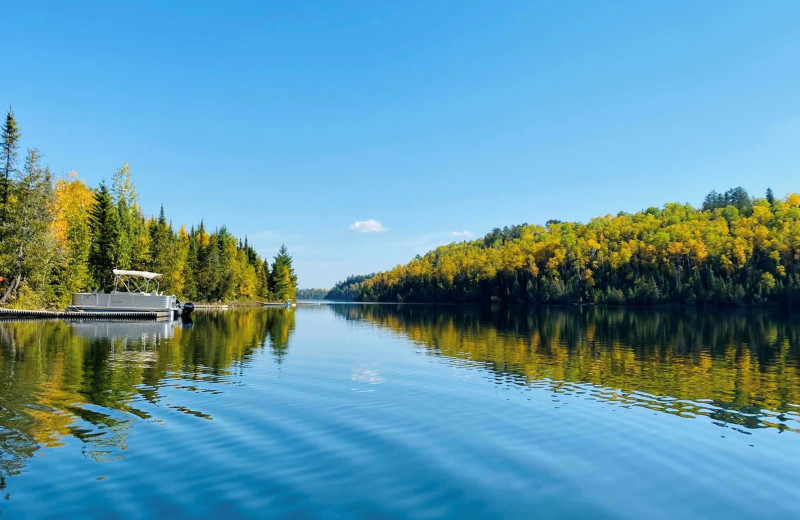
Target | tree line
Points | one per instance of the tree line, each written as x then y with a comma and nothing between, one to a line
347,289
311,294
61,237
734,250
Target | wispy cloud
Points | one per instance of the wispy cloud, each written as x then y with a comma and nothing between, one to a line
463,234
368,226
264,234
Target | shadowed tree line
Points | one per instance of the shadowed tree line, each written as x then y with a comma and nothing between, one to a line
735,250
347,290
64,237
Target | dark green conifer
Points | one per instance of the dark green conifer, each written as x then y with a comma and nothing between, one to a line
105,231
8,159
283,281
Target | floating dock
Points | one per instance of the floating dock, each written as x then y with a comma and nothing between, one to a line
108,315
210,307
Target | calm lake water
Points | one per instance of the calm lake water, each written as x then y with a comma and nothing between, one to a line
383,411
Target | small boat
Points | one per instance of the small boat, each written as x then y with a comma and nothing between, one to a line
134,291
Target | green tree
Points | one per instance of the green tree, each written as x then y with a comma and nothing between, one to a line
72,204
190,271
8,158
283,281
105,235
130,229
161,244
262,272
29,243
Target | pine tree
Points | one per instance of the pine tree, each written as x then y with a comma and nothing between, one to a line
770,197
283,281
161,244
8,158
190,277
105,232
226,246
263,280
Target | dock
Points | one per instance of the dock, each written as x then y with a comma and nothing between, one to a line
210,307
108,315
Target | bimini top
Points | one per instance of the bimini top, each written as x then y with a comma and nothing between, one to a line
140,274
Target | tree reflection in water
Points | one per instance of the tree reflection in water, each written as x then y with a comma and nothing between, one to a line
88,380
738,367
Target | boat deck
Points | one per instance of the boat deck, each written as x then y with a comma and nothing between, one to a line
128,315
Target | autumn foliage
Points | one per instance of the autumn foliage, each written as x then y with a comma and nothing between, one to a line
735,251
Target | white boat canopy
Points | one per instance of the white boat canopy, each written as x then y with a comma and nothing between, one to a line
136,281
140,274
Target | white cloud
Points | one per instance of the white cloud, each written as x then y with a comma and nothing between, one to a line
463,234
264,234
368,226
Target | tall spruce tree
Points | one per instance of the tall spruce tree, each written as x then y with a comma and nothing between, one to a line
8,159
161,244
190,282
283,281
105,233
263,280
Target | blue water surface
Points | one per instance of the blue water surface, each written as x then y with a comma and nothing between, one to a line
384,411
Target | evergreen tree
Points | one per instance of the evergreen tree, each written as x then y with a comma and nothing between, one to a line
190,282
161,245
283,281
105,233
739,198
713,200
8,159
226,247
211,273
263,280
770,197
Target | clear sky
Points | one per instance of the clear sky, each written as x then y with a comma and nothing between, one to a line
290,122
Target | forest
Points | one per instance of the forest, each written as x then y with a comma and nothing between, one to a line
311,294
347,290
60,236
734,250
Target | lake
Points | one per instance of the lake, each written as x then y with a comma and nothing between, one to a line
403,411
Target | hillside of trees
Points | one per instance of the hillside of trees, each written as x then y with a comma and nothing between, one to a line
61,237
734,250
348,290
311,294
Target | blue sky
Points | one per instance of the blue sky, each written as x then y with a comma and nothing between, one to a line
291,122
